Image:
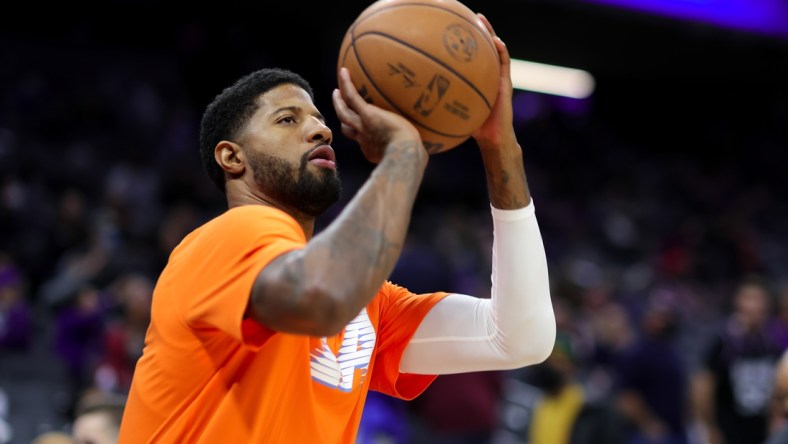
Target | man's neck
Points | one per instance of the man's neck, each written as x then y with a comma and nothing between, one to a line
237,199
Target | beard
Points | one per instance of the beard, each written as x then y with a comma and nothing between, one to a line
309,192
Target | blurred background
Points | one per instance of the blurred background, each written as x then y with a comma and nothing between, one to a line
661,198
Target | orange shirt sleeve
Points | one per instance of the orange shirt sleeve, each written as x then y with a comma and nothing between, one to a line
214,270
401,313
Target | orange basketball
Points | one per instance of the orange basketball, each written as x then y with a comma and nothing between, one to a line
432,61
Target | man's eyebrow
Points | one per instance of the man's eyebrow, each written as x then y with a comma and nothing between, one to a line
293,109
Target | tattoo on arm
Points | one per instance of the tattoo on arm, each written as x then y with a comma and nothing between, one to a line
506,182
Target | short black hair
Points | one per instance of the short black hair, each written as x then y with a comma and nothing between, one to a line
231,110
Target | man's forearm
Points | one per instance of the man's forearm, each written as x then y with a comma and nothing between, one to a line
506,182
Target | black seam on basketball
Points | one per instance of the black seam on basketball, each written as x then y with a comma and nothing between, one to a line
473,87
484,32
400,111
352,34
352,45
343,55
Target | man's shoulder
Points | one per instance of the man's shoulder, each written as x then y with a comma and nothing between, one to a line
239,225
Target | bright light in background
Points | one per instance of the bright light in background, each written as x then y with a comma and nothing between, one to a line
550,79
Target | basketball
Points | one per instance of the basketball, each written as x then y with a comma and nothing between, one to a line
431,61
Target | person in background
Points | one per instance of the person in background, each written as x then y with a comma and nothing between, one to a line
97,418
563,397
16,315
79,336
731,391
125,333
652,380
53,437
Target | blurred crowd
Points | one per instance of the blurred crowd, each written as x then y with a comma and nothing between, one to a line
668,260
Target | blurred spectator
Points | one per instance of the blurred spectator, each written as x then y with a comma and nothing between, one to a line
612,333
598,422
652,380
16,316
71,228
124,337
97,419
731,392
80,330
53,438
562,397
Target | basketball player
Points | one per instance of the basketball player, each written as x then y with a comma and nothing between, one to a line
263,331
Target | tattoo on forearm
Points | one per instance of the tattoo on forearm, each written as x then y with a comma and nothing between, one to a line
507,186
363,238
402,171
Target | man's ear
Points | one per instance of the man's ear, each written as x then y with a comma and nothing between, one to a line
229,156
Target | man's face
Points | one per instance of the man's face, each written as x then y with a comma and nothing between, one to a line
752,305
287,147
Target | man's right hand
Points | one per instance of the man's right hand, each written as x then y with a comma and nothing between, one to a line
377,131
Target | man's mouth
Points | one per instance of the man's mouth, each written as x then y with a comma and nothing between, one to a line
323,156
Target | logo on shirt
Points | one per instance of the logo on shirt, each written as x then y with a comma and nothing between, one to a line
339,371
751,381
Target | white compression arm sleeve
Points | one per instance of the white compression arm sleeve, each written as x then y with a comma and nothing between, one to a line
512,329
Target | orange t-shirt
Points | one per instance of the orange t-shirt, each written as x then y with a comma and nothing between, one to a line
207,375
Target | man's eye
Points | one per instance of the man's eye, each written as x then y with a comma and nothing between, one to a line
287,119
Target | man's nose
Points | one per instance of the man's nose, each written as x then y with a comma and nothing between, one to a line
319,131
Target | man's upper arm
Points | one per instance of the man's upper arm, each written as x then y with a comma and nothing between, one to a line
217,273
